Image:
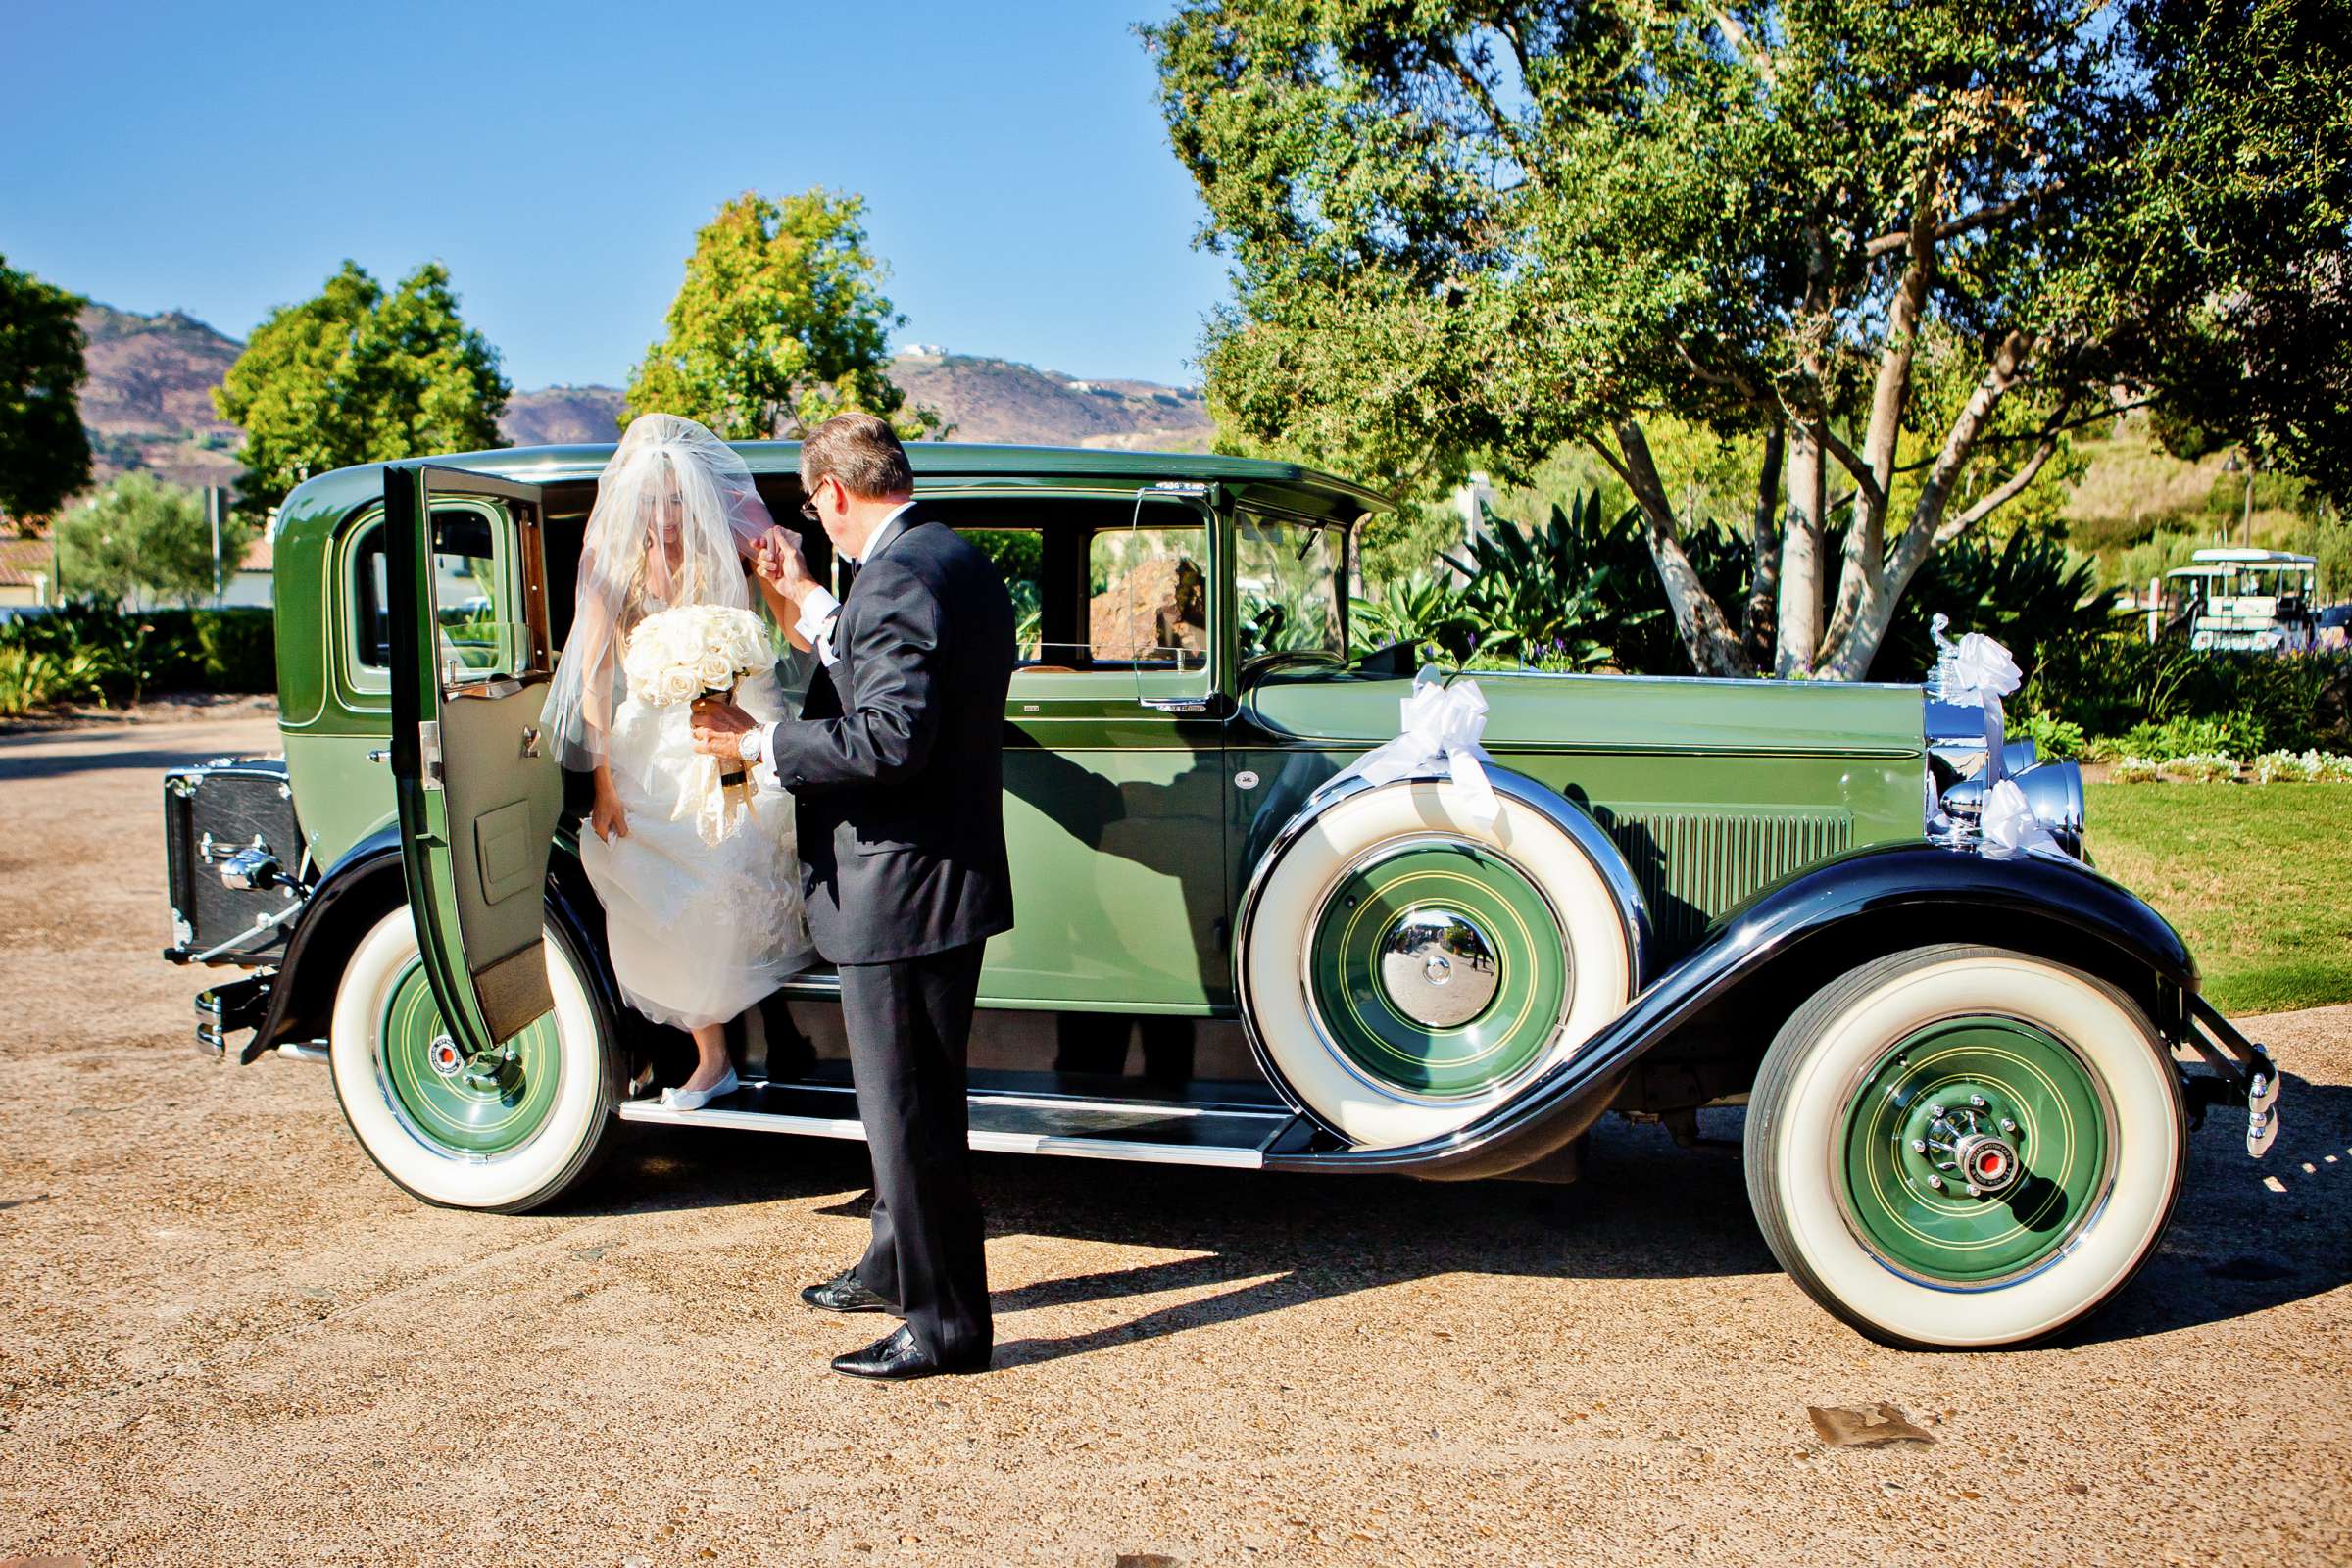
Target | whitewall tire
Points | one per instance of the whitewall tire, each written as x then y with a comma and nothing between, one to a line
1964,1147
1405,969
505,1138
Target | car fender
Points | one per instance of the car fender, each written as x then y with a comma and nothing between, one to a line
365,885
1789,939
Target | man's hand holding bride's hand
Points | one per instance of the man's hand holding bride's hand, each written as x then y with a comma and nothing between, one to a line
776,557
719,727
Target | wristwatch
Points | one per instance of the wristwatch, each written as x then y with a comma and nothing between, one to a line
753,744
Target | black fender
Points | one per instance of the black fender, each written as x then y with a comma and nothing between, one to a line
1758,962
365,886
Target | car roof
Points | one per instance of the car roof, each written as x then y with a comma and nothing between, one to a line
1288,485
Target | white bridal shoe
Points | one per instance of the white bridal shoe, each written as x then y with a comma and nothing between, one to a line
697,1099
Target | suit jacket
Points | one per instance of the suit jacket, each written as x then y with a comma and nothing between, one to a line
896,760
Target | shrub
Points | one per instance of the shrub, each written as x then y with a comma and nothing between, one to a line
2205,768
2112,685
237,649
2238,735
31,678
121,657
2306,767
2053,738
2135,770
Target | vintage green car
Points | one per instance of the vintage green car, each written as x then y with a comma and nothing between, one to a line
1968,1080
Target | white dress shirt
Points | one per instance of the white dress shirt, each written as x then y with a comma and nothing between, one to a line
820,612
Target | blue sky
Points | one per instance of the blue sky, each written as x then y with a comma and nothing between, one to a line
222,159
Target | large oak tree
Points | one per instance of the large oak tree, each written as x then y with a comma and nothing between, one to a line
779,324
1903,249
359,374
44,451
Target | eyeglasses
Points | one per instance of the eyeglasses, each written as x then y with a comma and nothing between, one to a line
808,507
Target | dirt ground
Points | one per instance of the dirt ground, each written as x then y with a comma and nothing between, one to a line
224,1337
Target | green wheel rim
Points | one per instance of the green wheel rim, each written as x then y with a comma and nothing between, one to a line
1399,1052
491,1107
2013,1080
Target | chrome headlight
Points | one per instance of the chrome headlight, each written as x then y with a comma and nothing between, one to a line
2054,789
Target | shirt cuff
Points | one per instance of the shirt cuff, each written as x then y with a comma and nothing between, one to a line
763,772
819,608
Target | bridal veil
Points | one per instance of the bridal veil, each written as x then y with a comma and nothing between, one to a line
676,515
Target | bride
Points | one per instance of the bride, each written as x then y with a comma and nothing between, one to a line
698,932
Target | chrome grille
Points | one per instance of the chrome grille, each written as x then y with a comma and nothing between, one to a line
1693,865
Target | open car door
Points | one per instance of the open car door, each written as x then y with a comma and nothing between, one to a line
479,787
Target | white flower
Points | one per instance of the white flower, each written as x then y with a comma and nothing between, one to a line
676,655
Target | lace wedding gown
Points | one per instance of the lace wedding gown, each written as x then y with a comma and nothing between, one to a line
698,932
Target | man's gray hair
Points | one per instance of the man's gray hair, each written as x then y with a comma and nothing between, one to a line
861,452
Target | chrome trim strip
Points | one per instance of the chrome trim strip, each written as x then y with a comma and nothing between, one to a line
1078,1103
993,1143
303,1050
497,686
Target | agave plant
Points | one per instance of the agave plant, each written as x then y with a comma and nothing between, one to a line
1547,596
1418,610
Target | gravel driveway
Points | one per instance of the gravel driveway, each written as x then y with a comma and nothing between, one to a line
225,1339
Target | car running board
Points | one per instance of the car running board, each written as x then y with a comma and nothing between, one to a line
1011,1124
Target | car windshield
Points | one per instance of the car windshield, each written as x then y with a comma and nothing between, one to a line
1292,578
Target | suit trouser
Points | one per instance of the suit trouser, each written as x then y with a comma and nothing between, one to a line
908,1024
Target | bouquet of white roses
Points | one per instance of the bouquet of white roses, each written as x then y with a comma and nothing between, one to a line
675,656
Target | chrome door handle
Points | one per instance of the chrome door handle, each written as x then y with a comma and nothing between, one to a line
530,740
1177,704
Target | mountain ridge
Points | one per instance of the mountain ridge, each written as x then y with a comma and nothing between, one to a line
147,401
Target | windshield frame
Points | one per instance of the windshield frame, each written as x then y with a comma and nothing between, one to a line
1248,517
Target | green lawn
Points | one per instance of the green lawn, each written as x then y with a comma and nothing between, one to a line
2258,878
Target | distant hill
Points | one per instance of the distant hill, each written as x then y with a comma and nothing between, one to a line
148,402
983,400
562,415
999,400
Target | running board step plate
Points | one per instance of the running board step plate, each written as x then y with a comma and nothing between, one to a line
1168,1135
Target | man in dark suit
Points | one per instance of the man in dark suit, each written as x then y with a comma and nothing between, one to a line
896,764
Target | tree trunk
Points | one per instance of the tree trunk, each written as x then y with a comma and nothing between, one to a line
1929,529
1800,555
1764,555
1707,635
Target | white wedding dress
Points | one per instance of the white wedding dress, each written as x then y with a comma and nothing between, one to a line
698,932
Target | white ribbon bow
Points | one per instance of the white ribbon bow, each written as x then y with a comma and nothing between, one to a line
2008,827
1981,673
1441,723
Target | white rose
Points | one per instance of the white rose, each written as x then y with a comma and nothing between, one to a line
716,671
679,686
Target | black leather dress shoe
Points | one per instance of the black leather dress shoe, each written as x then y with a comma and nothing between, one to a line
897,1358
843,1292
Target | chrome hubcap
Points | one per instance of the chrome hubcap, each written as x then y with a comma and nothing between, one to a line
1972,1147
1437,967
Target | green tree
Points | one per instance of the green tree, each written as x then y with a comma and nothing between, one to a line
45,452
780,324
359,375
1899,251
145,542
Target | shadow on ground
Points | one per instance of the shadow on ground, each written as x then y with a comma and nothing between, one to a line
2248,1236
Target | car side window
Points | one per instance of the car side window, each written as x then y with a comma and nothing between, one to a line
1020,554
469,600
1148,599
